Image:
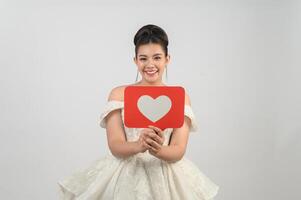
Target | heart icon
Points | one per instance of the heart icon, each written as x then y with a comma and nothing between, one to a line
154,109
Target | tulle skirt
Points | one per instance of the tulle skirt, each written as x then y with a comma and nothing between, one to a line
139,177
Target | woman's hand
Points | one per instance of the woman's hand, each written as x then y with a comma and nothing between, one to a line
154,139
142,146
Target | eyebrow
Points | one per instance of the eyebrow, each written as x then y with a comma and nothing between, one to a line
157,54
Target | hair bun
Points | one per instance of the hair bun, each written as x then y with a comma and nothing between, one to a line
151,34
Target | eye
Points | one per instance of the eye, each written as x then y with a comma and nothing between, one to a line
142,59
157,58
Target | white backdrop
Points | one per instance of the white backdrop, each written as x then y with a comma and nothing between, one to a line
237,60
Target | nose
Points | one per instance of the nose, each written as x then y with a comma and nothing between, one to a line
150,63
149,68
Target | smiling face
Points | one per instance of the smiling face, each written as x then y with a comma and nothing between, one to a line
151,62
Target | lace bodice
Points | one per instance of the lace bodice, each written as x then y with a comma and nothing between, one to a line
132,134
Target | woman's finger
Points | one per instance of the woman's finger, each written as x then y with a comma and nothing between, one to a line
149,147
157,130
153,144
160,135
155,137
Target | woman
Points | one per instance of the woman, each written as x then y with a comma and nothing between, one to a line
145,163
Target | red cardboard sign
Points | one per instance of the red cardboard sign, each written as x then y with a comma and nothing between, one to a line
160,106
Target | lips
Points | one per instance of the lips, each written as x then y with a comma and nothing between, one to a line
150,72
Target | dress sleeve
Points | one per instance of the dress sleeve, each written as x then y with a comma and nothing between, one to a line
189,113
109,107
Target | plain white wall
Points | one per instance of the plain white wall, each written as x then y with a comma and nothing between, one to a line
237,60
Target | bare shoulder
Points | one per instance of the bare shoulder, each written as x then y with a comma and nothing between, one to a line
187,99
117,93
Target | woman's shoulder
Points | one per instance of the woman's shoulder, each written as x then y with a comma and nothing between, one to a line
187,99
117,93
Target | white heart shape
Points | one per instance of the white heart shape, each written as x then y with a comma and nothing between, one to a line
154,109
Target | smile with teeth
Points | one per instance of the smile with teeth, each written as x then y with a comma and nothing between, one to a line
152,72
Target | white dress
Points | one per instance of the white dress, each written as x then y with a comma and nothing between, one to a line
139,177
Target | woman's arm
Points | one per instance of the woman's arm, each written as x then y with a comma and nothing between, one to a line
116,137
115,132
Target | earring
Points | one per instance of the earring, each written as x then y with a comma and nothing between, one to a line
166,72
137,75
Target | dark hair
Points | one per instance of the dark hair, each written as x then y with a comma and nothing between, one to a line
151,34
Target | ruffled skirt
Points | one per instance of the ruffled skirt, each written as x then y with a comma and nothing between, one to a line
139,177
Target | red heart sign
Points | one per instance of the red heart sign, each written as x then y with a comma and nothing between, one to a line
160,106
